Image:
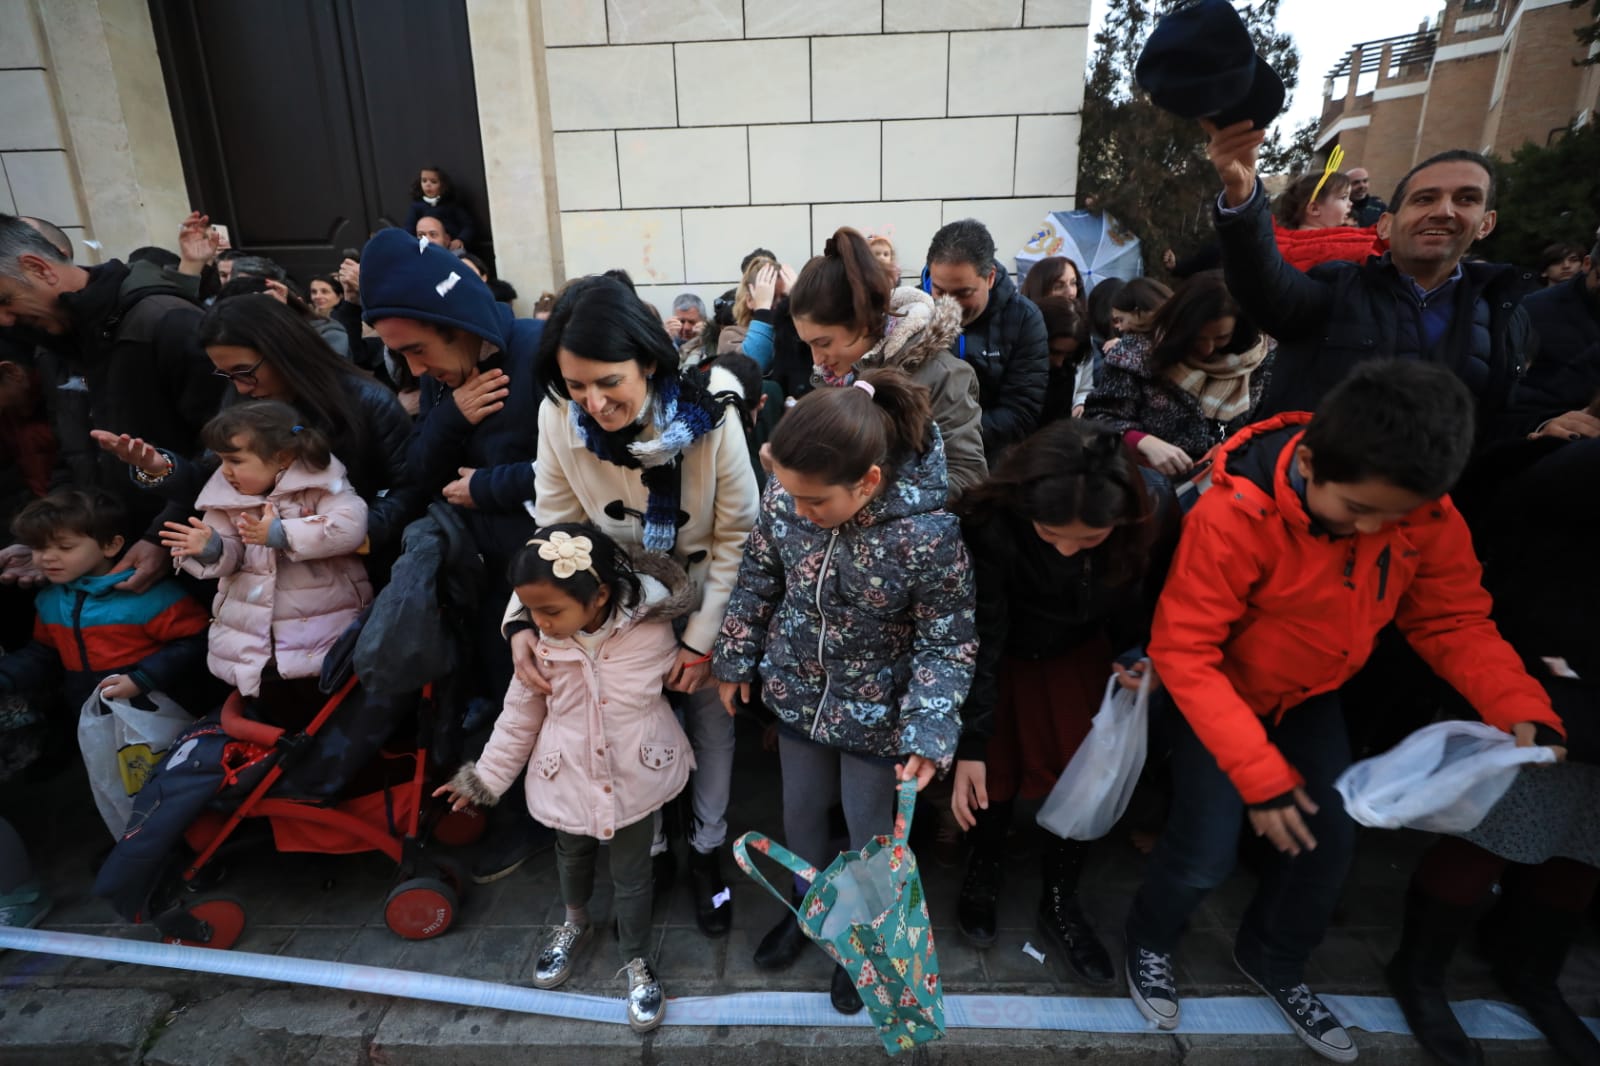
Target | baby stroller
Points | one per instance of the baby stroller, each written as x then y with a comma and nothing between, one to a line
356,777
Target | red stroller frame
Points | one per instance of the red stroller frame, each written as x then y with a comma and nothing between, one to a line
423,903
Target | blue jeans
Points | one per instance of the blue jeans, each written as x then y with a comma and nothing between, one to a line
1295,898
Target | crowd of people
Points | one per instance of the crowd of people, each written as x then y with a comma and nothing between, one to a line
1328,487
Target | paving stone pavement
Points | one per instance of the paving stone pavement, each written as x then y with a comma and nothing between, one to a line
63,1010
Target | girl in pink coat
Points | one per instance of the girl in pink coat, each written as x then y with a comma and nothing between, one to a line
281,529
603,751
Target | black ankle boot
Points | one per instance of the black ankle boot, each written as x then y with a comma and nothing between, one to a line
846,1000
783,943
713,900
1416,976
976,909
1526,968
1061,917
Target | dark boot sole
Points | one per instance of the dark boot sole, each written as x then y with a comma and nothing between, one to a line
1057,943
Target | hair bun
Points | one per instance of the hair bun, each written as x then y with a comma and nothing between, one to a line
830,248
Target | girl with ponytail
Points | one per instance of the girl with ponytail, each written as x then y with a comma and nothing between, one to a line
1070,540
855,607
847,310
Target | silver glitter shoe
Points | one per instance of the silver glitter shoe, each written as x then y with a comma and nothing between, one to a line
560,953
647,1004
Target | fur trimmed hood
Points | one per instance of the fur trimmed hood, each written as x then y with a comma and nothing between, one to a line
668,593
918,328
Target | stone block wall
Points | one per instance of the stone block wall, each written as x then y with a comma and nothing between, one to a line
36,176
687,132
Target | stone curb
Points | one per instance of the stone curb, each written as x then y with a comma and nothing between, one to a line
47,1026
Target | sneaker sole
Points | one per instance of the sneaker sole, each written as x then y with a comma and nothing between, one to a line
650,1026
1331,1053
1149,1012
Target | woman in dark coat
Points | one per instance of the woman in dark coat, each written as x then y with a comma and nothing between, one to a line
1541,843
1183,388
1070,541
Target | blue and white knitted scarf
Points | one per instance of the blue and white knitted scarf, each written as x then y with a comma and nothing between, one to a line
660,461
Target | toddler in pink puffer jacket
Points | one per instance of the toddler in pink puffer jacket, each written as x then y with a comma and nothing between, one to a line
282,529
602,749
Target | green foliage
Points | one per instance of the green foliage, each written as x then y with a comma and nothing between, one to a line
1149,168
1589,34
1547,193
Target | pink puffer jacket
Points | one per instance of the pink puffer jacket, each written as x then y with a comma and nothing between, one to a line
288,605
603,750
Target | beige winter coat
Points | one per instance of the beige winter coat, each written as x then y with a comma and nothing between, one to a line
718,492
604,749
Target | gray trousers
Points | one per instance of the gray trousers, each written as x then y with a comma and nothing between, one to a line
631,881
814,775
710,730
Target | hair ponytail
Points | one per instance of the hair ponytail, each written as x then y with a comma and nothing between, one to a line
844,286
837,435
269,429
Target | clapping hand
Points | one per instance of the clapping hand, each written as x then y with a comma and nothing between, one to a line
257,530
134,451
198,242
184,540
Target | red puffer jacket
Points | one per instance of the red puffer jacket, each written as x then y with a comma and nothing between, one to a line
1305,248
1259,613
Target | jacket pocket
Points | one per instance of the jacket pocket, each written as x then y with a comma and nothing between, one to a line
658,756
547,764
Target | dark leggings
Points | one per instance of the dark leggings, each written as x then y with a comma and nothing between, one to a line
1457,872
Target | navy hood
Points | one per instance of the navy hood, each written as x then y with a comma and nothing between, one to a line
407,277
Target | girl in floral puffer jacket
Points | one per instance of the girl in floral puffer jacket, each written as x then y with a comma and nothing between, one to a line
855,601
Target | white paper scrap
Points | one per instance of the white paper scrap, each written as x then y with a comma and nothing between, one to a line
1034,953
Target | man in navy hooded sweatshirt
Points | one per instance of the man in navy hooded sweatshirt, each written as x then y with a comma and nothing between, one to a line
476,438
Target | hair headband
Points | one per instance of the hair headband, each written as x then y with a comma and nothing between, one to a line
1335,157
567,555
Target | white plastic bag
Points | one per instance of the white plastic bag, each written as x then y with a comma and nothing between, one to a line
1444,778
121,745
1094,789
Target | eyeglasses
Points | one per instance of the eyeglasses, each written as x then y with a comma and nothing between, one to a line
247,376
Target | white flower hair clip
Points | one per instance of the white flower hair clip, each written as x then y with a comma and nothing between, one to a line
567,555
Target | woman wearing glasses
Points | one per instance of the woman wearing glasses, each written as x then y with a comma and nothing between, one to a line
267,352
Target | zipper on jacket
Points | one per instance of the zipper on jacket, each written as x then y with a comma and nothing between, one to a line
82,597
1383,572
822,632
1350,565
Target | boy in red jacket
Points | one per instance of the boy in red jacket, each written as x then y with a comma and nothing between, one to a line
1315,534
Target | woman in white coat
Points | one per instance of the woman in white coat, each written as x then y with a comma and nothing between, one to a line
648,457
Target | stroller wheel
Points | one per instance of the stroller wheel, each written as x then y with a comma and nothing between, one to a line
420,909
212,923
453,874
457,829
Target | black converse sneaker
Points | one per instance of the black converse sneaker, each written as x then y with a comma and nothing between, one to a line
1311,1020
1152,986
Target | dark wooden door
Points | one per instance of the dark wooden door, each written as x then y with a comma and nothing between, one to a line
302,123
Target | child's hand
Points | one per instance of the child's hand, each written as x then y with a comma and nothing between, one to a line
1130,676
1525,733
119,687
185,540
971,793
734,693
458,800
257,530
1284,826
